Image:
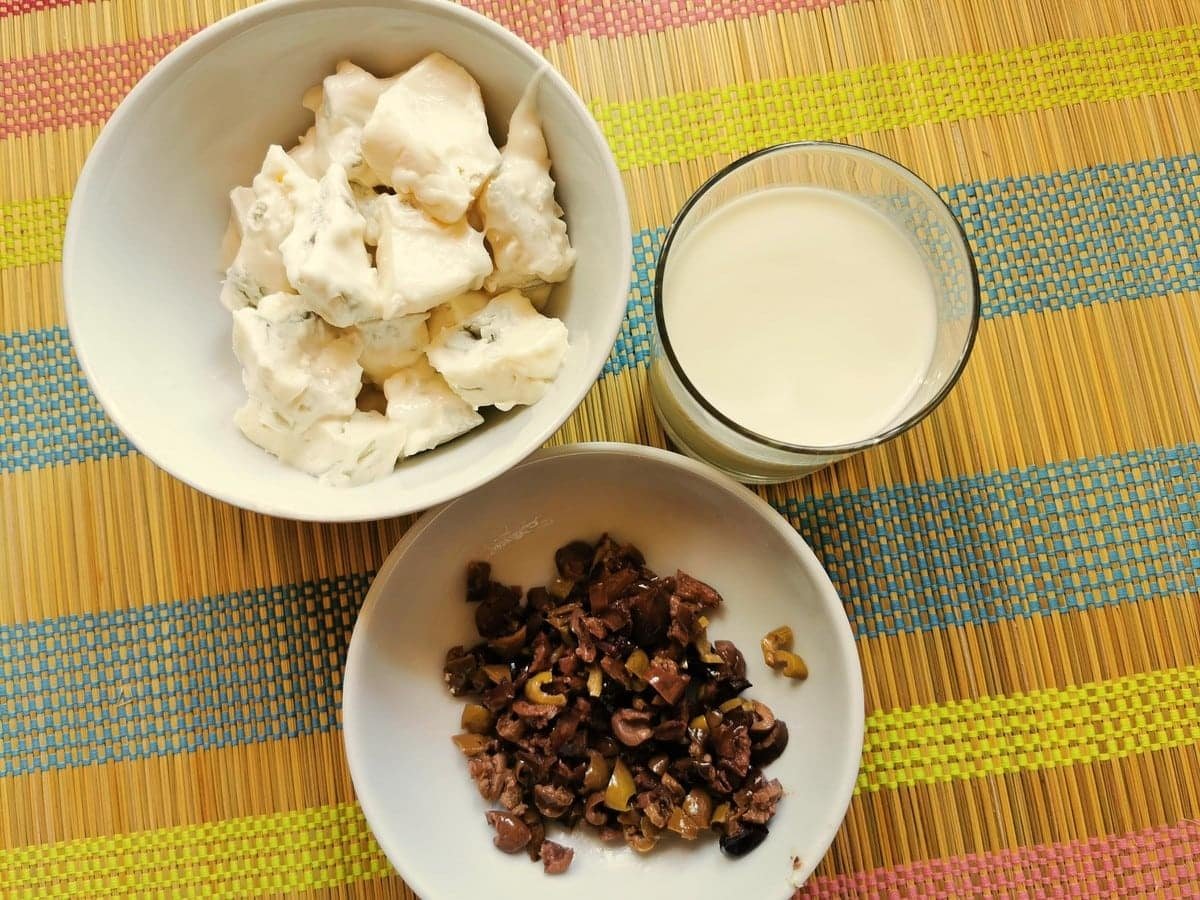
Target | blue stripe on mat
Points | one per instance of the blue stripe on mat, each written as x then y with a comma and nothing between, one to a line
266,663
1045,242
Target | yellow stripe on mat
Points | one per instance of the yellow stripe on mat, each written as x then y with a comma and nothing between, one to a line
740,118
310,849
323,847
989,736
31,231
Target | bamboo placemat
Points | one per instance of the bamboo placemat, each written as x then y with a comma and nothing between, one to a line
1022,571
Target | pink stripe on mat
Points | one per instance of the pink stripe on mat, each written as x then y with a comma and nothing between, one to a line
539,24
21,7
83,87
1159,861
621,18
75,87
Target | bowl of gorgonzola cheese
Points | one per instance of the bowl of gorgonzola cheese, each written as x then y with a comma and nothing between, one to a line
341,262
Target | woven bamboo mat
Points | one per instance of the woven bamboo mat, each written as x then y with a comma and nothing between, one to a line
1022,571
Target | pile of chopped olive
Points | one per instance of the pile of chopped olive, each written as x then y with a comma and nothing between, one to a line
600,699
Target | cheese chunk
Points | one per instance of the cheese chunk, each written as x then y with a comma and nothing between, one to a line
294,363
505,355
455,311
326,258
342,106
423,262
391,344
367,202
264,216
428,137
305,153
522,221
353,450
430,413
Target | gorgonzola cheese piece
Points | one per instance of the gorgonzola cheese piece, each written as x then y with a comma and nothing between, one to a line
522,220
428,137
431,414
325,256
294,363
423,262
505,355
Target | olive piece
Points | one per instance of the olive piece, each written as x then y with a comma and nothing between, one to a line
511,833
770,748
593,810
471,744
552,801
476,719
672,786
638,663
764,719
498,672
596,775
631,727
478,576
638,838
509,645
574,560
697,806
776,651
620,787
745,839
732,657
535,694
595,681
560,588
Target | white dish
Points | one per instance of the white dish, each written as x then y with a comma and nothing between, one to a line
141,262
398,715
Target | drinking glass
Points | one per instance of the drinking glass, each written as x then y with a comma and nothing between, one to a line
700,430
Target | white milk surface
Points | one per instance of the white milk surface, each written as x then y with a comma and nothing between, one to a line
802,314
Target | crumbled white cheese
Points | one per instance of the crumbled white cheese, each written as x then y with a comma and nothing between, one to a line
345,102
454,311
423,262
367,202
264,215
504,355
357,449
326,258
294,363
431,414
428,137
305,153
351,356
391,344
521,218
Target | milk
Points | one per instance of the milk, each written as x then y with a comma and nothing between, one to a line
802,314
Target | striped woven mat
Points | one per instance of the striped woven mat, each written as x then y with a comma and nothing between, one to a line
1022,571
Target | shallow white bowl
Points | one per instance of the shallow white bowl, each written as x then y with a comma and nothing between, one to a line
413,783
141,260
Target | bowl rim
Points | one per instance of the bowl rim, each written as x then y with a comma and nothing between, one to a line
850,670
174,63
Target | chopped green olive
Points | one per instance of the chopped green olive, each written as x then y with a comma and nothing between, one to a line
476,719
535,694
620,787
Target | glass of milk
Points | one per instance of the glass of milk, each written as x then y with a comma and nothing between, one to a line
811,300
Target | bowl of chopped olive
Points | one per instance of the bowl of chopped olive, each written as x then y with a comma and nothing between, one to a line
610,666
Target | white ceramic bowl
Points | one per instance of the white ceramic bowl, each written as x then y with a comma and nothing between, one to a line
142,254
398,715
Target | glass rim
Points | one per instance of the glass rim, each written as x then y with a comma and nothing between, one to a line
833,449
